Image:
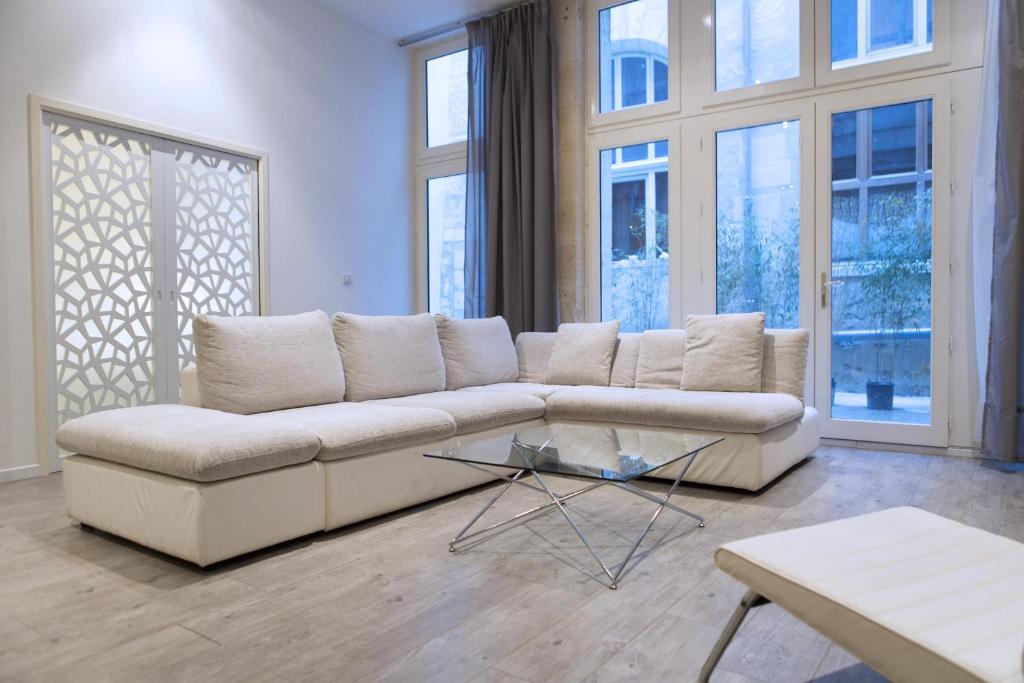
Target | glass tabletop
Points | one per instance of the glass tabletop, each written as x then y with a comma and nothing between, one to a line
592,452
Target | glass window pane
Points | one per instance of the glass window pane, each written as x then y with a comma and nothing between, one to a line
756,41
844,30
446,238
758,222
844,145
661,149
894,139
882,256
660,81
634,153
447,98
632,37
634,240
892,23
875,30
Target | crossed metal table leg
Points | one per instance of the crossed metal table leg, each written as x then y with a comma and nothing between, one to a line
559,502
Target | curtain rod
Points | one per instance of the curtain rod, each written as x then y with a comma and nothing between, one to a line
453,26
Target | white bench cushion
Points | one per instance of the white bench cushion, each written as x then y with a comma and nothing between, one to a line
351,429
914,595
475,411
717,411
191,443
583,353
627,353
724,352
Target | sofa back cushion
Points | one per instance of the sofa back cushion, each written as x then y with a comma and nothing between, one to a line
583,353
724,352
627,352
785,362
476,352
386,356
253,364
660,359
534,350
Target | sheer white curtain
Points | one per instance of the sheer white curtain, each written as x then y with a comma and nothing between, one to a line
983,204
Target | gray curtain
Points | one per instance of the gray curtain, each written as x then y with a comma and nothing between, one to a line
510,170
1001,432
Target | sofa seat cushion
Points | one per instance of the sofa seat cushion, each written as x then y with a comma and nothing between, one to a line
719,411
187,442
475,411
530,388
351,429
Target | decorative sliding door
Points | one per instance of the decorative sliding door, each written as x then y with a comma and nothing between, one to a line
140,234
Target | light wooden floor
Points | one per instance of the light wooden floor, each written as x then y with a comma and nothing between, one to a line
385,600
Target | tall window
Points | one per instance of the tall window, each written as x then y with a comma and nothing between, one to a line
882,256
756,42
865,31
633,54
758,221
441,178
634,235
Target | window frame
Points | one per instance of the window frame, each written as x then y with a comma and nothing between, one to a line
596,118
419,61
939,55
701,57
703,295
633,135
428,163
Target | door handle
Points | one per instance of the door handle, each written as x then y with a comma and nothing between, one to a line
825,284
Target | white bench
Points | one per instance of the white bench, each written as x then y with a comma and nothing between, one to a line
914,595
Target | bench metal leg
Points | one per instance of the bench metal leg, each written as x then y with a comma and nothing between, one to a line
750,600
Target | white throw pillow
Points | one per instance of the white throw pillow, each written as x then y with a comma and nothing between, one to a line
386,356
476,351
627,352
660,361
253,364
724,352
582,354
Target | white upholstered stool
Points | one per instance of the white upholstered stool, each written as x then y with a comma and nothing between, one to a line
914,595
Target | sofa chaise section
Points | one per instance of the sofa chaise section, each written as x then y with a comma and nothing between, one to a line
201,485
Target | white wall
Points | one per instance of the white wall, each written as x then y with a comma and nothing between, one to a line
326,99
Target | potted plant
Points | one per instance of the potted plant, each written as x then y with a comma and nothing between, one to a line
896,256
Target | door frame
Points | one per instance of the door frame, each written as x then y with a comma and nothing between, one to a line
938,90
47,456
704,296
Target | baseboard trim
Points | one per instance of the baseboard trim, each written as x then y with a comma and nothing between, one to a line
900,448
16,473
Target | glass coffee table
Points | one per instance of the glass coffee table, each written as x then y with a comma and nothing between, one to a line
610,455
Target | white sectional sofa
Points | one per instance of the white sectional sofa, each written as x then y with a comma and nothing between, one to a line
286,430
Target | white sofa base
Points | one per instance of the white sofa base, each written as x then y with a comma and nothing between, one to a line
367,486
196,521
742,461
205,523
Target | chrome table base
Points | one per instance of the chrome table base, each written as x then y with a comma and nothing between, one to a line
559,502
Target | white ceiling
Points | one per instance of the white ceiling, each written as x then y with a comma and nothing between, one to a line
394,19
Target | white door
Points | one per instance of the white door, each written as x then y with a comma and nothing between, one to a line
143,234
882,273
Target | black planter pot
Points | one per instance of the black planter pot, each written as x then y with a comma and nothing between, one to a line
880,395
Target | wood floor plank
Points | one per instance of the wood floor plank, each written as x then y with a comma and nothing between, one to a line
385,600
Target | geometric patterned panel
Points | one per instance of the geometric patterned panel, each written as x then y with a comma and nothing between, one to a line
102,236
216,237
